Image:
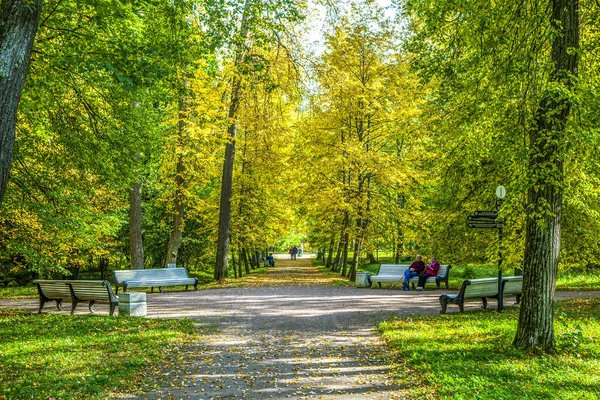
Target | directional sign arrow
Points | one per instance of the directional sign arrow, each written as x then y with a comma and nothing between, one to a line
485,225
486,214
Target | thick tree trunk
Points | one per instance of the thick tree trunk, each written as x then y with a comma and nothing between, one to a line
18,25
535,330
177,232
221,269
136,248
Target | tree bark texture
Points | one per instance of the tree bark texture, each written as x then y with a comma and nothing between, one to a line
330,252
177,232
18,26
221,270
136,248
535,330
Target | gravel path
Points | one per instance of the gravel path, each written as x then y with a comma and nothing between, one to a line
283,341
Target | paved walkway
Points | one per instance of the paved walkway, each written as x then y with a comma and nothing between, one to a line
283,340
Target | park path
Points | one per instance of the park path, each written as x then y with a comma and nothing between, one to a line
291,334
288,334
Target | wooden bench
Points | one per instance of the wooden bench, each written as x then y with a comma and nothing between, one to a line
77,291
442,276
158,277
486,288
389,273
52,290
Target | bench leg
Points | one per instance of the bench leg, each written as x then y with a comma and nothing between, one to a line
186,287
58,304
42,302
379,284
518,299
160,289
91,307
444,303
116,289
196,286
112,308
484,301
73,306
461,306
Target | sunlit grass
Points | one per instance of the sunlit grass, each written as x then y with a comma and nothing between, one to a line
81,357
470,356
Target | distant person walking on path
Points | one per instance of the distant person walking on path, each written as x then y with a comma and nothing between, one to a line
291,253
300,250
295,252
271,260
431,270
414,270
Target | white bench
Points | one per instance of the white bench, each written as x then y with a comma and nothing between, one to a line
486,288
442,276
395,273
158,277
389,273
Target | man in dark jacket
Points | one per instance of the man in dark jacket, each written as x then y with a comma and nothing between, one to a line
414,270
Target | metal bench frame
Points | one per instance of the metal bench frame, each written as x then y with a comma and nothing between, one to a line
77,291
511,285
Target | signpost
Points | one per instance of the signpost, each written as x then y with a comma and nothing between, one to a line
489,220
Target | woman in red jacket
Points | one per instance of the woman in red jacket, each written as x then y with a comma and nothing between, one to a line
431,270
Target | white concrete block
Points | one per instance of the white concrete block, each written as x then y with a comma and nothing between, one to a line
133,309
132,297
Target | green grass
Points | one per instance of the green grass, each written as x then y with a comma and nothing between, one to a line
81,357
469,355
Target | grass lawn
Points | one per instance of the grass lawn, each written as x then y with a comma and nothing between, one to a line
469,355
53,356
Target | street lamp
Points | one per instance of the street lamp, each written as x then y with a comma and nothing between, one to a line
500,193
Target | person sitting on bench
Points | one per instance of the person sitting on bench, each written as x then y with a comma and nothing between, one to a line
414,270
431,271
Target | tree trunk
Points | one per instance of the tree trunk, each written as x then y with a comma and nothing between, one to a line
344,260
535,330
372,259
18,25
136,248
246,263
330,253
399,245
221,269
177,233
233,264
240,262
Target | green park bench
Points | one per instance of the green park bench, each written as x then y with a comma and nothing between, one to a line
158,277
482,289
77,291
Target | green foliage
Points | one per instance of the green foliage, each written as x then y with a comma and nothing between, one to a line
66,357
469,355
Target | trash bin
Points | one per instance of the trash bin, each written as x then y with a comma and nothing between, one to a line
362,279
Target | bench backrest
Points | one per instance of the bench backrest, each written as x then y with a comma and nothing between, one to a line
392,269
53,289
92,290
149,274
443,271
513,285
486,287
